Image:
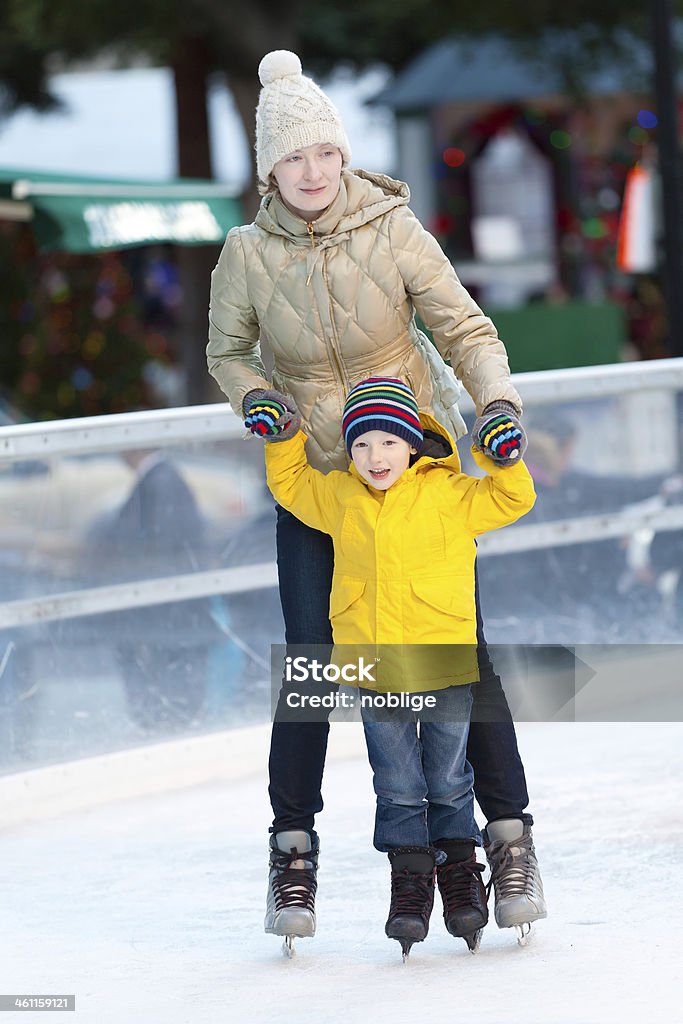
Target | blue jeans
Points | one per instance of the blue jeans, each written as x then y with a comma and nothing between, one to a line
422,777
305,560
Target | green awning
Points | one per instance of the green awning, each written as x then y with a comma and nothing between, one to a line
81,215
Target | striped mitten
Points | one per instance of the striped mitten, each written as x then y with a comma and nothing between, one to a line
271,415
499,434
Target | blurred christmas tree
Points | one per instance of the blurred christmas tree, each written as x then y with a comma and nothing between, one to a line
73,341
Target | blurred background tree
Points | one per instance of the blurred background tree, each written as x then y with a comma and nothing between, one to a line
201,38
73,342
197,38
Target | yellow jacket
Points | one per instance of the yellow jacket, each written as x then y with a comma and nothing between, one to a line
403,558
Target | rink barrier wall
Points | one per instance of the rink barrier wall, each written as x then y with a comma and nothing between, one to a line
217,422
221,758
76,604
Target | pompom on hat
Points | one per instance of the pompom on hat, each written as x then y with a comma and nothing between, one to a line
382,403
293,112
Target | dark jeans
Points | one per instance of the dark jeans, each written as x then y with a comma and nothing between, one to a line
305,560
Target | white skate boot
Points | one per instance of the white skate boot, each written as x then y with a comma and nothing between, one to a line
292,883
515,876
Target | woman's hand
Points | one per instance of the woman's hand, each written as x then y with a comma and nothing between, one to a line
271,415
499,434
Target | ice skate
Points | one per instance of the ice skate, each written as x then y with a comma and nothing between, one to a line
515,876
292,883
463,894
412,895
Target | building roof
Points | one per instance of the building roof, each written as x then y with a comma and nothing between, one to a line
494,68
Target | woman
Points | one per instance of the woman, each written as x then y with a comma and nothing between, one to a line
330,275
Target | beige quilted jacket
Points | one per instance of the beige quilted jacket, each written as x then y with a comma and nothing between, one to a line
335,300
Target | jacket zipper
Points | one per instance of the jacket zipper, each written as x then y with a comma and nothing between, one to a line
340,369
309,229
335,354
310,225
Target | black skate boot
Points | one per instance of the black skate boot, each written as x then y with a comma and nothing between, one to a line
515,876
292,883
412,895
465,912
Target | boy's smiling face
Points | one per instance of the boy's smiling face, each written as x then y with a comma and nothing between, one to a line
381,458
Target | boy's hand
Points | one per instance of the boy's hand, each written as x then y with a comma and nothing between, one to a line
499,434
271,415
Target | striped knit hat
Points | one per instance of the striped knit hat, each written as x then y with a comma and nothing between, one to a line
381,403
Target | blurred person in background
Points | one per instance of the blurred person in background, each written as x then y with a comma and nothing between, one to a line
662,573
666,557
563,583
330,276
161,649
19,697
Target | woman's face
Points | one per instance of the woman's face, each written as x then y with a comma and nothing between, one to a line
308,179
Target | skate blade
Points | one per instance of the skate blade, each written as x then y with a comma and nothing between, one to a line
523,933
406,946
288,949
474,940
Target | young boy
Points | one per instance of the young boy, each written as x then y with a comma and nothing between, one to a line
403,526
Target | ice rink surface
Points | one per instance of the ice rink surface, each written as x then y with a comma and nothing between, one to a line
152,910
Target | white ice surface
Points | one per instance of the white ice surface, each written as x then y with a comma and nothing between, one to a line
151,910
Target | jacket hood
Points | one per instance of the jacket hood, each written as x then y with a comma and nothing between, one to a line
452,461
363,196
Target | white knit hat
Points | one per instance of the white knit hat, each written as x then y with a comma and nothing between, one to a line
292,112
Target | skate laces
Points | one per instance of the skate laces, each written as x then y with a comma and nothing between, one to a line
459,883
512,873
294,886
411,893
